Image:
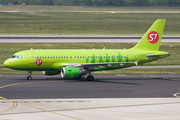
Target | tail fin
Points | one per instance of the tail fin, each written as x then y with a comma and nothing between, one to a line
152,38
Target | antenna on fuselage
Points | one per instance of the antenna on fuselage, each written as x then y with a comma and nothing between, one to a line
32,48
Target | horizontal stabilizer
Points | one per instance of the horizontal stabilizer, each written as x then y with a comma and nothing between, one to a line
151,56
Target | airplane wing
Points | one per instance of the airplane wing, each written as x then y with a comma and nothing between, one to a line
93,65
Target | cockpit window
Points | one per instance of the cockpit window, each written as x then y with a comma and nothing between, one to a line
17,56
13,56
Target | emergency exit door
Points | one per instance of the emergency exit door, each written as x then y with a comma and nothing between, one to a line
134,56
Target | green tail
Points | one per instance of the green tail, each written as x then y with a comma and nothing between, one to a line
152,38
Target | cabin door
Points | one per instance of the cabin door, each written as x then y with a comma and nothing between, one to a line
31,57
75,58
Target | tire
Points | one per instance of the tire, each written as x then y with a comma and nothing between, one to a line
90,78
29,78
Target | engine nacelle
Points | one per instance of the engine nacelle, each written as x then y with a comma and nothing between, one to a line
70,72
51,72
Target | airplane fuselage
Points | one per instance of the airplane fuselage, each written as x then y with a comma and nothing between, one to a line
47,60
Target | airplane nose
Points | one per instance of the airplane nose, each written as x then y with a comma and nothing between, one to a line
7,63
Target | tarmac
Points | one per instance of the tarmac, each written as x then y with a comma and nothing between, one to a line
117,97
80,39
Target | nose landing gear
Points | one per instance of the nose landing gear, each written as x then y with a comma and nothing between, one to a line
29,75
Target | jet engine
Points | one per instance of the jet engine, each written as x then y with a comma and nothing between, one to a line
51,72
71,72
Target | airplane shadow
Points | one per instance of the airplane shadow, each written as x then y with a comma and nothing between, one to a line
99,80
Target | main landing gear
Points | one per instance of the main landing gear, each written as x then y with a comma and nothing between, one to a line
90,77
29,75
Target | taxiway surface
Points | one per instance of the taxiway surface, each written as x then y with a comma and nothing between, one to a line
105,86
75,39
14,11
126,97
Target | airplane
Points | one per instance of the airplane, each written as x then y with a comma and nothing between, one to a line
74,63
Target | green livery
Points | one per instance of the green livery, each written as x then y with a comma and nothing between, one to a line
75,63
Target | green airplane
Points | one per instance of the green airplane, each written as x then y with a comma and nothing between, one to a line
75,63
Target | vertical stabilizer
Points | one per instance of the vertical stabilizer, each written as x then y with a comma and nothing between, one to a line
152,38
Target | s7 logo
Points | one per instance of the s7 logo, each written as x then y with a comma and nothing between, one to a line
153,37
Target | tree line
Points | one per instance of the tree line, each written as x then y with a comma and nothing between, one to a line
134,3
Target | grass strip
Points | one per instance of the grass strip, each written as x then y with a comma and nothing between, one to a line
81,23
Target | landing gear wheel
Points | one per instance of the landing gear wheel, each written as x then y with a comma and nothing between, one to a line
29,78
90,78
29,75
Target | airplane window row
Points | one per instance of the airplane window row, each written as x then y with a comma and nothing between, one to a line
83,57
17,56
